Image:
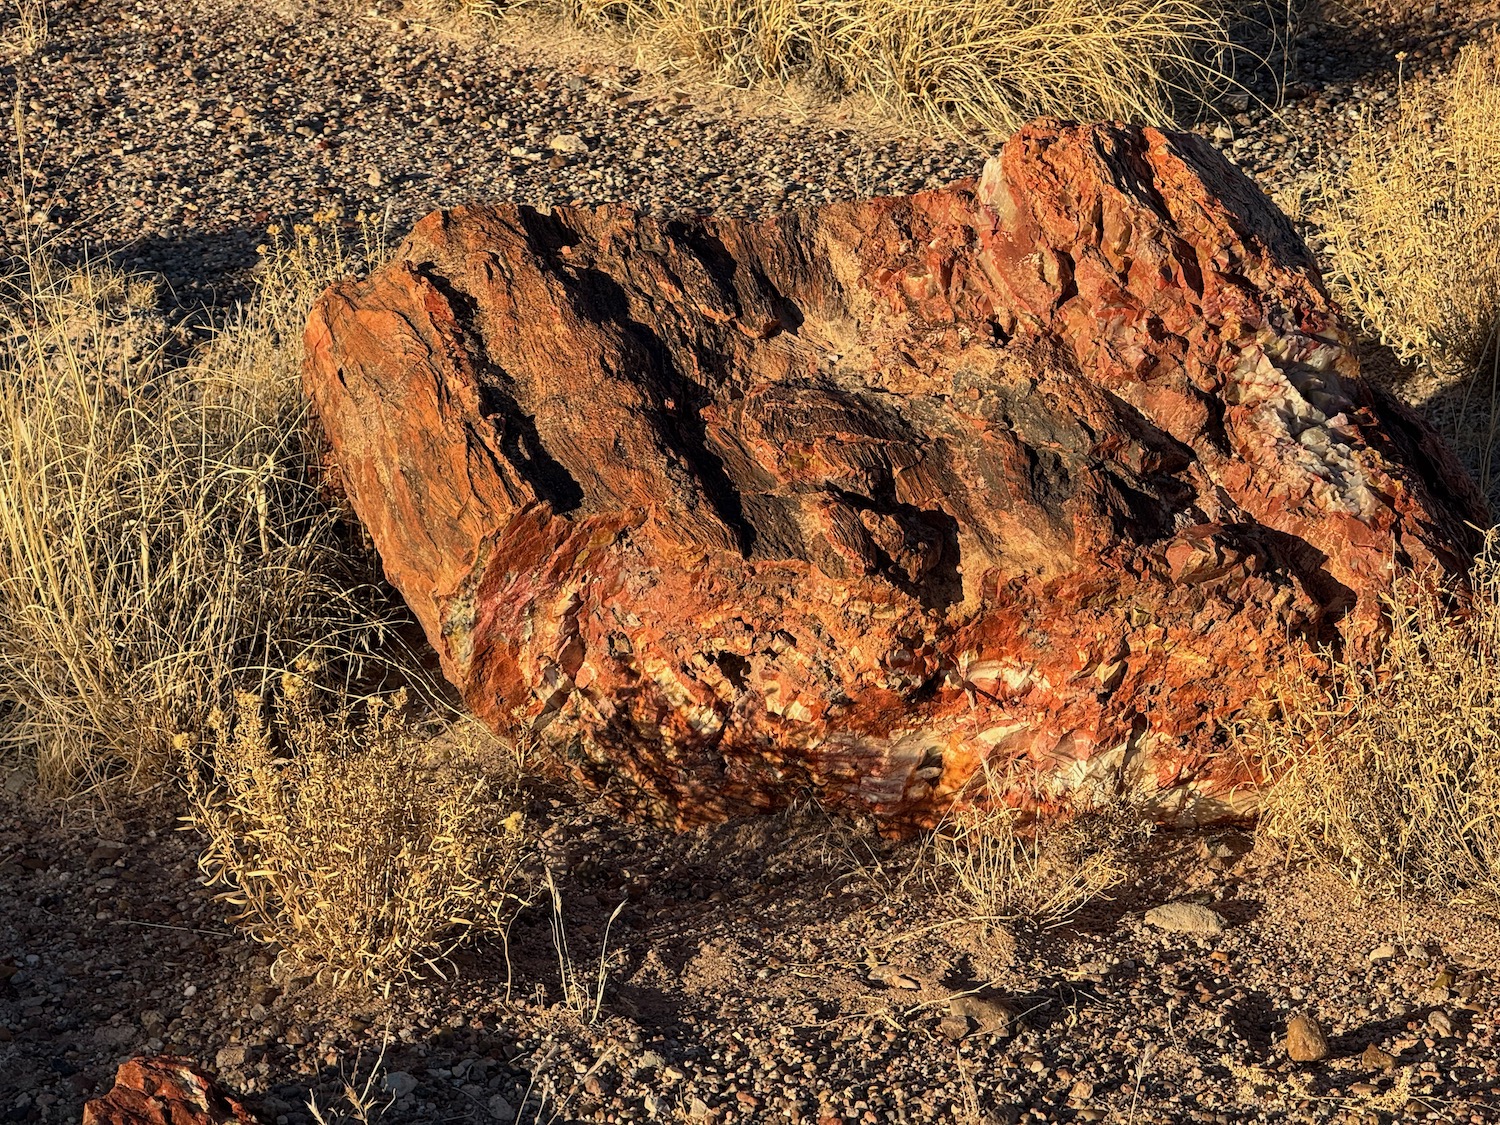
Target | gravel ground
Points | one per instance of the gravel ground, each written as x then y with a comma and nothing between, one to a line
170,135
760,971
764,971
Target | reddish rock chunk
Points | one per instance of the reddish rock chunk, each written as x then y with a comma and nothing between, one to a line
165,1091
1051,470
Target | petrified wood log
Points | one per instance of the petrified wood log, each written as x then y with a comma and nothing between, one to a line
1052,471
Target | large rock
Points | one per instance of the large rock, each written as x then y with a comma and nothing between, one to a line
165,1091
1051,471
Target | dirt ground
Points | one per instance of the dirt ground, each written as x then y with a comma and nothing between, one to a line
788,968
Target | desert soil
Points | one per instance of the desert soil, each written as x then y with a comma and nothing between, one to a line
788,968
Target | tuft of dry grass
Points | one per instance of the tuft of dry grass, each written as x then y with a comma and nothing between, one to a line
1393,774
23,28
967,66
1414,230
1415,224
173,579
353,840
163,539
993,866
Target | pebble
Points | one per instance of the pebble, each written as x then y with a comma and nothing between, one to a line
992,1014
1186,918
1305,1041
569,144
398,1083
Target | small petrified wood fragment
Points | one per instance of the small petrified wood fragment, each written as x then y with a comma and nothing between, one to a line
1051,470
165,1091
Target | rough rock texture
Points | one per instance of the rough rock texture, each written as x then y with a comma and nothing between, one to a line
164,1091
1051,470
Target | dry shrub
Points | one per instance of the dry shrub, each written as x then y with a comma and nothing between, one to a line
1415,226
1394,773
965,65
1415,239
23,28
168,562
353,839
163,541
996,867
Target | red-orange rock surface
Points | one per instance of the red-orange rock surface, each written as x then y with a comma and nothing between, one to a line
164,1091
1053,469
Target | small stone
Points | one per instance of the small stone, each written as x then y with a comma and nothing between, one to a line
164,1089
569,144
1376,1059
598,1086
698,1108
649,1060
992,1013
953,1027
1305,1041
1441,1023
892,977
374,179
398,1083
1186,918
1363,1089
105,855
229,1058
501,1110
1383,952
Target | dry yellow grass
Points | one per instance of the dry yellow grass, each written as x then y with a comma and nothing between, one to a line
993,866
1394,773
163,541
349,837
1415,225
963,65
169,570
1414,230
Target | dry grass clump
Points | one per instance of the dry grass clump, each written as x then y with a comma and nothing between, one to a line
995,867
1394,775
351,838
163,541
965,65
23,28
1415,225
170,576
